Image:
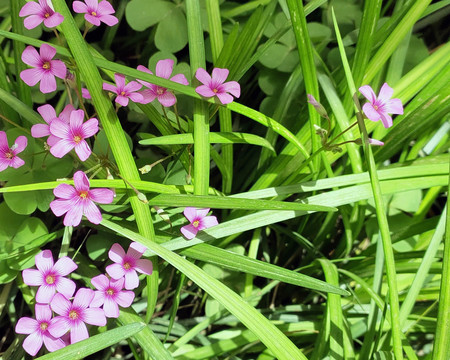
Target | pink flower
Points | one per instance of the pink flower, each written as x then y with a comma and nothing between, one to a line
164,70
126,265
198,221
110,294
379,107
124,92
85,93
45,69
96,12
73,316
215,85
39,331
73,134
50,277
79,200
8,155
38,13
48,114
375,142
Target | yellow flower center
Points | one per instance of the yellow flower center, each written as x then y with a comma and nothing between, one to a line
122,93
43,326
83,194
77,138
215,91
46,65
93,13
73,315
110,292
196,223
50,279
126,266
47,15
375,107
9,155
160,91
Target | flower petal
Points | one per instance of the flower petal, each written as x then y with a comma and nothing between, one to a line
59,326
66,287
52,22
111,308
101,282
47,112
180,79
132,86
94,316
224,98
386,93
60,207
76,119
104,7
81,181
164,68
190,213
109,20
131,280
65,265
144,266
167,99
99,299
92,19
122,100
120,80
203,76
219,76
47,52
148,96
60,305
102,196
92,212
43,312
20,144
386,120
125,298
368,93
44,261
40,130
26,325
73,216
31,57
31,76
83,150
394,106
65,191
208,222
60,129
48,83
79,7
116,271
45,293
58,69
52,343
370,112
205,91
233,88
62,147
109,87
136,97
83,298
78,332
189,231
116,254
30,8
32,21
33,343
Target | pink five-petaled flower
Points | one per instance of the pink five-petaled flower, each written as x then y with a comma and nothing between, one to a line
216,85
126,265
44,68
73,316
110,294
38,13
124,92
379,108
39,331
48,113
73,134
79,200
8,155
50,277
198,221
164,69
95,12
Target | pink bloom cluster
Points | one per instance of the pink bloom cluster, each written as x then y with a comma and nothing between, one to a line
55,295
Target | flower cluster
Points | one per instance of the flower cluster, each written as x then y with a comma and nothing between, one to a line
55,295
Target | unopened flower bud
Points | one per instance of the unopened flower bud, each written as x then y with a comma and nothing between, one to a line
318,106
142,197
145,169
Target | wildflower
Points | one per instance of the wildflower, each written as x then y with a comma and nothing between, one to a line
215,85
198,221
72,135
50,277
38,330
378,108
48,113
38,13
95,12
375,142
126,265
8,155
73,316
79,200
110,294
44,68
85,93
124,92
163,70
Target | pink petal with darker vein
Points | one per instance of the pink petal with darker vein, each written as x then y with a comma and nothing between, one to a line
83,150
31,57
21,143
32,21
116,254
48,83
164,68
79,7
78,332
105,8
131,280
92,212
62,147
167,99
65,265
47,52
44,260
109,20
219,75
144,266
189,231
111,308
102,196
224,98
54,20
66,287
59,69
26,325
203,76
73,216
31,76
33,343
30,8
233,88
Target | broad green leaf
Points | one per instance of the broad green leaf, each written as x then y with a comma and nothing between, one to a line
171,31
141,14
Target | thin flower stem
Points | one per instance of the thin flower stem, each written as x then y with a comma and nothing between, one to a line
175,110
58,37
68,92
343,132
167,118
14,124
214,112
